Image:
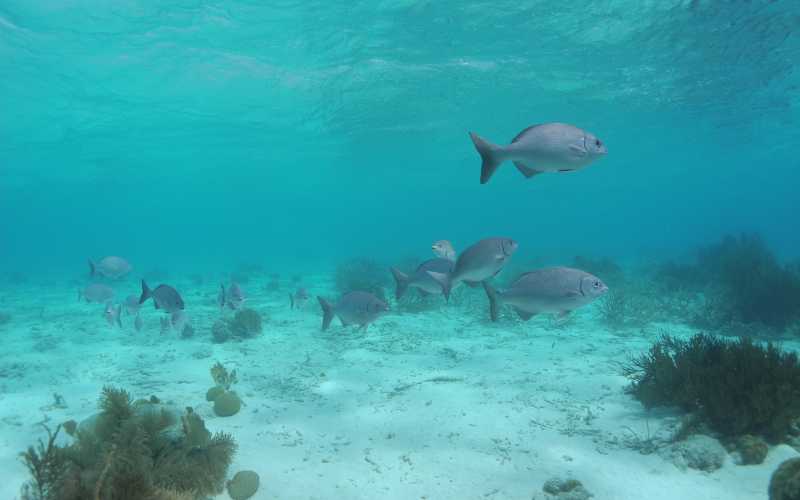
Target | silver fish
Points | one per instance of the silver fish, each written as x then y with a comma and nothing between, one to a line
178,320
298,298
96,292
113,314
132,305
444,250
480,262
233,297
549,147
110,267
550,290
164,297
421,278
360,308
137,323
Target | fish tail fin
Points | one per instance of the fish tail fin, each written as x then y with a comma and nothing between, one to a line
327,313
494,301
291,300
223,297
444,281
491,156
92,268
146,293
401,281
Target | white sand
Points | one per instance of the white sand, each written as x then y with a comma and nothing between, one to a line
432,405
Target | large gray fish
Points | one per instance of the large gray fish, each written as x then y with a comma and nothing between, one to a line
110,267
444,250
233,297
549,147
132,305
96,292
298,298
549,290
360,308
164,297
421,279
480,262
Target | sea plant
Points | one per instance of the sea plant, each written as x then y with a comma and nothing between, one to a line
737,387
130,451
246,323
222,377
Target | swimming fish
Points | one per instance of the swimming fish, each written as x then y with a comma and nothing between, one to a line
113,314
96,292
480,262
132,305
549,147
110,267
137,323
233,297
420,278
360,308
178,320
164,297
444,250
298,298
549,290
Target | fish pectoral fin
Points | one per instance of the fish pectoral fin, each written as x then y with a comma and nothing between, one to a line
567,170
572,294
578,150
525,170
524,315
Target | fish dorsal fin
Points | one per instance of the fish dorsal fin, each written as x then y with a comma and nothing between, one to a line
528,172
519,136
524,315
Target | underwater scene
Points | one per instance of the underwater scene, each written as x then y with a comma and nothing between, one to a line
399,249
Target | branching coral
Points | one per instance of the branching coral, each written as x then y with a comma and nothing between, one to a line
131,451
737,387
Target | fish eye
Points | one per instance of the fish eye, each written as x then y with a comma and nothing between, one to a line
597,142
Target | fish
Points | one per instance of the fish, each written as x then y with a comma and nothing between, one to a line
137,323
480,262
549,290
444,250
420,278
164,297
165,324
548,147
113,314
360,308
110,267
298,298
233,297
132,305
178,320
96,292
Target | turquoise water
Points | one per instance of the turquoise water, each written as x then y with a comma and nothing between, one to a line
215,131
205,140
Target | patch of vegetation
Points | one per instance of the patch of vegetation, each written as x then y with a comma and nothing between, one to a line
363,275
736,387
245,324
130,451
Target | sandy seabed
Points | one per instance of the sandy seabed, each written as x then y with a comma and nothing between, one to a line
439,404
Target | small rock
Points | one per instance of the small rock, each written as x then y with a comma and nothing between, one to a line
243,485
565,489
697,452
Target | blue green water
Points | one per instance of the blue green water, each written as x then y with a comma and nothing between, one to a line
211,132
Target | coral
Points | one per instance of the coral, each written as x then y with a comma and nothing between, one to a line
131,451
737,387
364,275
565,489
222,377
243,485
220,331
214,392
750,450
246,323
697,452
227,404
785,481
